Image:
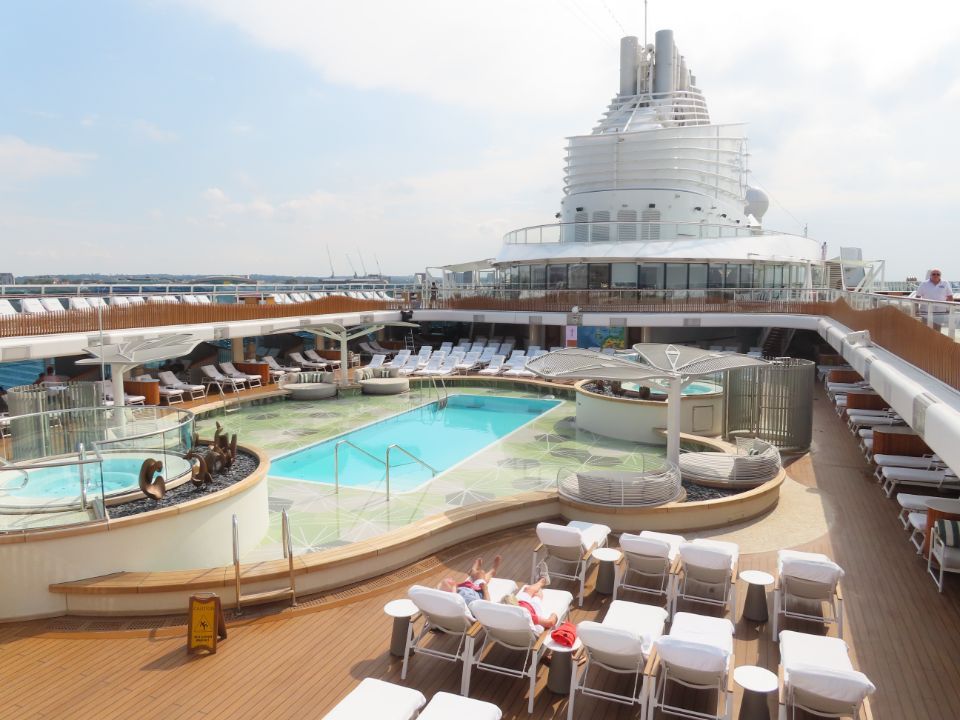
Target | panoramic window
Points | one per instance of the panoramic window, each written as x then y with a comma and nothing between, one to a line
577,277
650,276
623,275
676,278
557,277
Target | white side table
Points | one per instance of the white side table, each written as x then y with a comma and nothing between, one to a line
607,572
755,608
561,665
401,611
757,684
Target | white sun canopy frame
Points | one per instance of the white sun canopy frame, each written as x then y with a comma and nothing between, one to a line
677,363
124,356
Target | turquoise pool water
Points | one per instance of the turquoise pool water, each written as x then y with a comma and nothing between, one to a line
694,388
440,437
121,473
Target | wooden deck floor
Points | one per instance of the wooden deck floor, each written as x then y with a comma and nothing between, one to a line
902,633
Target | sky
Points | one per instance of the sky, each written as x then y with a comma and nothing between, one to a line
266,136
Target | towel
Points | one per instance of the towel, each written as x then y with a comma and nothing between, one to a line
565,634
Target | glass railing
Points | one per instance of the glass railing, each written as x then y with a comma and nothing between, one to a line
65,467
619,231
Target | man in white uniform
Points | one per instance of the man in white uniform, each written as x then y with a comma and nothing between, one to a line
934,288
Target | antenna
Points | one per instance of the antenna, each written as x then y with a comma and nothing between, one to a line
330,260
644,23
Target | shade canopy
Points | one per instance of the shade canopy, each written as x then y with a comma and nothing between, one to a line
138,352
684,361
581,364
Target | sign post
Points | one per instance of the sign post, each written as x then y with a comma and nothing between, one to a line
206,624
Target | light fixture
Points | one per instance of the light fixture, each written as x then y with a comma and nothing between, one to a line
579,209
698,208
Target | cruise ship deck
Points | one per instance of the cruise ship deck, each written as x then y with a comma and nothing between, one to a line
282,662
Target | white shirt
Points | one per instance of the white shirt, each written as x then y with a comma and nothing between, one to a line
929,290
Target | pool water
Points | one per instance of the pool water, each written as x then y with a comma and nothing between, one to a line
441,437
121,473
694,388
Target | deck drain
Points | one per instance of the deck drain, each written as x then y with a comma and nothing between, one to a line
323,414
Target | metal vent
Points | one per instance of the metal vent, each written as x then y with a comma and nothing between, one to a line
627,231
581,231
618,322
650,230
601,231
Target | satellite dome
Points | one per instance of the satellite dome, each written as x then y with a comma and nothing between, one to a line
757,202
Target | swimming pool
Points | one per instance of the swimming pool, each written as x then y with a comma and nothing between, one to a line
698,387
441,437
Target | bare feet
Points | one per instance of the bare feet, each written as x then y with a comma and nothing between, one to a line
496,565
448,585
477,567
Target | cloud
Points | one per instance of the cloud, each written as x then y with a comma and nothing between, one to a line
20,160
154,133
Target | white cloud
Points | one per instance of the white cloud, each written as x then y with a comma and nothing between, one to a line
153,132
20,160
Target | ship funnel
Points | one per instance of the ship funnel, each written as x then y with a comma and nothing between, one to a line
663,66
628,65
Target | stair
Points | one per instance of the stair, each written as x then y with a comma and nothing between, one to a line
834,277
777,342
265,596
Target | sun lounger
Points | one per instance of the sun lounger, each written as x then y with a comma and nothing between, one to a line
52,304
698,654
119,301
375,362
649,563
307,364
424,355
313,356
32,306
707,574
7,309
97,302
78,303
893,477
924,462
816,675
620,644
251,380
917,527
512,627
399,360
911,503
169,380
136,300
494,366
173,396
212,376
410,366
944,554
566,549
433,365
277,370
106,392
469,362
805,581
447,706
378,700
518,369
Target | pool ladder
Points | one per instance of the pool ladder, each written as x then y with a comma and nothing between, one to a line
289,591
385,463
441,400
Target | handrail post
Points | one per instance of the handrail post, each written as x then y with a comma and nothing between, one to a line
390,447
83,480
336,469
236,562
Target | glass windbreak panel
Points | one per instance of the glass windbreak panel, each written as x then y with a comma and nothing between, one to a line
698,276
651,276
715,276
676,276
578,277
557,277
817,276
732,276
778,276
599,276
623,275
524,276
538,276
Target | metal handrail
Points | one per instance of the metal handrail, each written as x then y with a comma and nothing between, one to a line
409,454
83,480
288,551
336,463
236,560
5,466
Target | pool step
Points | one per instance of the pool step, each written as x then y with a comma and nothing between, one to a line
268,596
290,591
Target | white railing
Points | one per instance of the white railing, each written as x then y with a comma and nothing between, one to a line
622,231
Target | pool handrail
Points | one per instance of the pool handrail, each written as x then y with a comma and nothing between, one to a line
409,454
336,464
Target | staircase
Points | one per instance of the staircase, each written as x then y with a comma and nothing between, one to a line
287,591
777,341
834,277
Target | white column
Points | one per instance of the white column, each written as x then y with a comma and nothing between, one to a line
673,420
344,359
236,347
116,374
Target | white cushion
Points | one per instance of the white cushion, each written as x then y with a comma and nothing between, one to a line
913,474
814,567
440,603
918,520
709,554
572,534
821,665
652,544
556,601
717,632
445,706
915,502
692,654
378,699
627,628
591,533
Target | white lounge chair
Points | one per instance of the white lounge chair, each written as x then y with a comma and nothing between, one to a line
375,362
173,396
924,462
7,309
378,699
649,564
314,356
446,613
517,367
78,303
410,366
512,627
805,581
136,300
251,380
306,364
707,574
941,479
944,554
447,706
106,391
486,356
566,549
469,362
32,306
51,304
277,370
495,366
698,654
433,365
169,380
399,360
446,347
620,644
119,301
817,676
212,376
424,355
203,300
910,503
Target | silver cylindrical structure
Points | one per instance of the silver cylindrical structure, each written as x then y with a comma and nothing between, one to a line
663,64
628,65
773,403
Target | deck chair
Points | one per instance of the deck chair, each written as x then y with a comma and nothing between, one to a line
251,380
410,366
532,350
446,347
649,564
446,613
941,479
468,362
212,376
566,550
399,360
375,362
804,582
512,627
106,391
707,574
487,354
119,301
620,644
78,303
519,369
7,309
495,366
944,554
378,699
698,654
276,367
447,706
169,380
433,365
190,300
816,675
910,503
173,396
423,357
448,366
32,306
314,356
136,300
307,364
51,304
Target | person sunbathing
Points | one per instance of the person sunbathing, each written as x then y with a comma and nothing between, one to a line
530,598
474,587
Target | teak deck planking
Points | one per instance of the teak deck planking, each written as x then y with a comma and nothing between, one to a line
902,634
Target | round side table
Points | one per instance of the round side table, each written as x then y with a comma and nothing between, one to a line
607,572
561,665
755,608
757,684
401,611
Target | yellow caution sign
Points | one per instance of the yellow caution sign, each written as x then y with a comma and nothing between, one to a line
206,624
